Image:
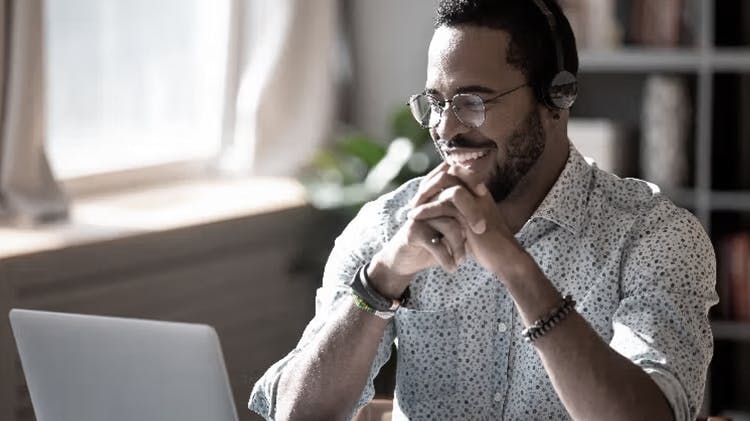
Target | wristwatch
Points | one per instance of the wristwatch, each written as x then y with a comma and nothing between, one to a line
361,286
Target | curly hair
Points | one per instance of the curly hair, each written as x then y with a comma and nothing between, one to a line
532,48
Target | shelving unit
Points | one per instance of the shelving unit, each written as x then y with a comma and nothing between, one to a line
737,201
644,60
735,331
700,63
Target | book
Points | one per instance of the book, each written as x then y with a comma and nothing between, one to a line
656,23
605,142
665,124
594,22
733,282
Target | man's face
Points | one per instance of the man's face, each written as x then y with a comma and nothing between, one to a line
500,152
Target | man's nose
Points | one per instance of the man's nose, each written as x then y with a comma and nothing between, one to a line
450,126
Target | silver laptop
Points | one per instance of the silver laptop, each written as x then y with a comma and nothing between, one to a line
93,368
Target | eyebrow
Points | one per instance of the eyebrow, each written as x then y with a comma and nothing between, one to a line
474,89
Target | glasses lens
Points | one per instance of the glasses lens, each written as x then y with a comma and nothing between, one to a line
426,110
469,108
420,109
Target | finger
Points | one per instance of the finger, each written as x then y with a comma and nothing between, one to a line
432,187
453,237
428,179
478,190
443,166
422,235
470,206
455,202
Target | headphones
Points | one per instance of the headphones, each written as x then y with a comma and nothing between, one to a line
561,91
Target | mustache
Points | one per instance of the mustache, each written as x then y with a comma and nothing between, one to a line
460,141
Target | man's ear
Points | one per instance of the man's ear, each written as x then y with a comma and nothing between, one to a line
552,114
553,119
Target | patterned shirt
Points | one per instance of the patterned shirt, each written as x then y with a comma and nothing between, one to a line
641,269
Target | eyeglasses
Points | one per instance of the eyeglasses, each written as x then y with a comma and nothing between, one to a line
469,109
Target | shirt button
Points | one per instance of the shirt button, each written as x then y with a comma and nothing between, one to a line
502,328
498,397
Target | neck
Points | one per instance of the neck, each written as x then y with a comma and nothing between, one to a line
534,186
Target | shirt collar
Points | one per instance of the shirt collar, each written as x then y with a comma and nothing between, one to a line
566,201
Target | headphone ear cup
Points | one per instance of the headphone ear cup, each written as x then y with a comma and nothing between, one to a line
562,91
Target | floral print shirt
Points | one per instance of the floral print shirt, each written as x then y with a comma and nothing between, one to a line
641,269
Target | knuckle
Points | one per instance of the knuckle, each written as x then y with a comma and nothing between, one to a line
412,231
463,193
444,179
452,192
456,234
420,196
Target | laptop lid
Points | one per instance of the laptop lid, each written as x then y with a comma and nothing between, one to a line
94,368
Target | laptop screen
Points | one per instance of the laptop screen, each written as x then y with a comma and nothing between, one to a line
81,367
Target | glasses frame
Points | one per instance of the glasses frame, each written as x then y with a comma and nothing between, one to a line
444,104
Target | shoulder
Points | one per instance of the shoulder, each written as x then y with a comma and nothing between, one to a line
652,218
628,195
659,236
638,200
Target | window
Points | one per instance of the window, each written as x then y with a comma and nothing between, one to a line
134,83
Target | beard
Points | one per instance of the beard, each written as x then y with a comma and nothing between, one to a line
522,149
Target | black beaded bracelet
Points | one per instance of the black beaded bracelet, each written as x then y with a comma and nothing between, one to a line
540,327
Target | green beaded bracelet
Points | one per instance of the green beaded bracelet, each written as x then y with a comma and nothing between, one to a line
361,304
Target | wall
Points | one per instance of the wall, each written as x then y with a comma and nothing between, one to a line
390,57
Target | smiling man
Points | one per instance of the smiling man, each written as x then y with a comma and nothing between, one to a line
517,280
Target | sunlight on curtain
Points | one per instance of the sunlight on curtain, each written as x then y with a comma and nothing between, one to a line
283,102
134,83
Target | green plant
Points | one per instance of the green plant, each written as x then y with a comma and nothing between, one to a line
356,168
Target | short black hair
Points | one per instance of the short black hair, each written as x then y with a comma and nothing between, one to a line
531,48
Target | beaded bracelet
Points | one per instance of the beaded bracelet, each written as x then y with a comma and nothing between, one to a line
540,327
362,304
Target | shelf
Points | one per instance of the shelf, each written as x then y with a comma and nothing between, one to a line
730,200
738,201
681,197
645,60
640,60
731,59
728,330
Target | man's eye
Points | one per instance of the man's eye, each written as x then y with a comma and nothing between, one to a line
474,104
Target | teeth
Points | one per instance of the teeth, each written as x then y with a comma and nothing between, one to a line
463,157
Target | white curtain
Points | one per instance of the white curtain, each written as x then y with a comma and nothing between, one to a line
280,84
28,191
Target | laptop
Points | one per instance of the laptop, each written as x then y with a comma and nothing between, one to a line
94,368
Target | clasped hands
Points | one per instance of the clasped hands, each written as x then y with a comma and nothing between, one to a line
463,219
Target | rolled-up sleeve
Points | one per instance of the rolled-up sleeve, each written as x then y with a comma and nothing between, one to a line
668,286
355,246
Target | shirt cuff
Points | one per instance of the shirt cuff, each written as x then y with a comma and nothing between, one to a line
674,392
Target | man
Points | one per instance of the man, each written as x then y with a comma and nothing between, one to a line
479,253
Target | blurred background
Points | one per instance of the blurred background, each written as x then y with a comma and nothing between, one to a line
193,160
